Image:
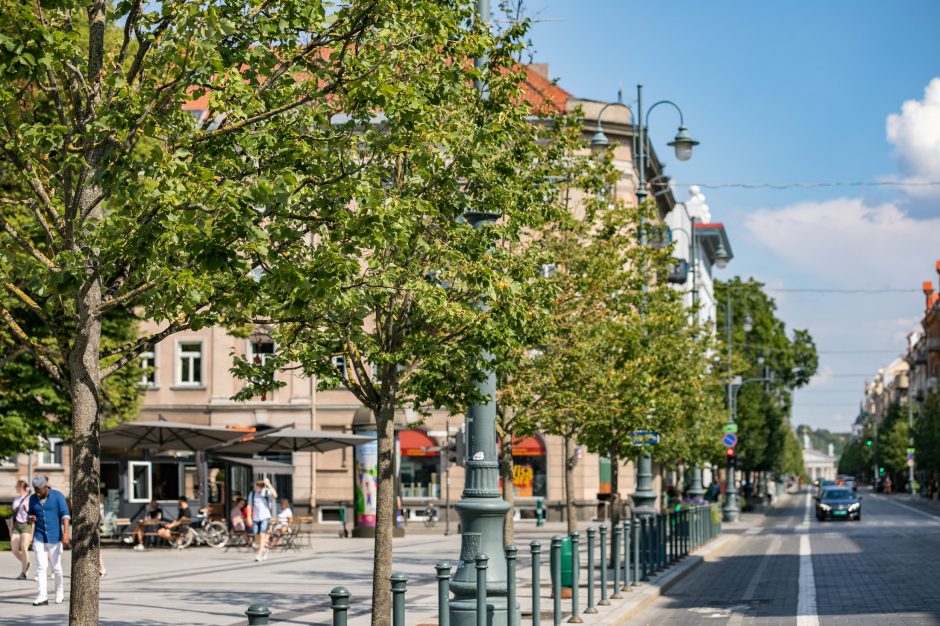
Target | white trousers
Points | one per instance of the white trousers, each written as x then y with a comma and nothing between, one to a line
46,552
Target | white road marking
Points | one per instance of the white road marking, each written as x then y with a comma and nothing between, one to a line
753,531
806,598
909,508
737,617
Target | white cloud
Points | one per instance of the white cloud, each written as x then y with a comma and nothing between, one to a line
822,379
915,133
849,244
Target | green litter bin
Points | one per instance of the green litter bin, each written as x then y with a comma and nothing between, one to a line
566,577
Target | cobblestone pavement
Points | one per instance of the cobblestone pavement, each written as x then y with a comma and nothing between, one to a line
883,570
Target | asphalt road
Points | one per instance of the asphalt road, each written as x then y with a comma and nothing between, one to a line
882,570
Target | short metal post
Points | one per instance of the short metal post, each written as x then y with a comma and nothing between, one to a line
575,579
662,541
590,568
258,614
615,549
339,602
625,531
535,548
676,534
654,544
399,584
636,551
443,595
555,563
645,549
604,601
482,560
512,615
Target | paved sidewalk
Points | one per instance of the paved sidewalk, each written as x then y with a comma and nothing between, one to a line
214,587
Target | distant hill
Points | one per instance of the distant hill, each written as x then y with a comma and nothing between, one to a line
821,438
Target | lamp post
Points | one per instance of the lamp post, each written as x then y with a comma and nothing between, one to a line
481,508
644,498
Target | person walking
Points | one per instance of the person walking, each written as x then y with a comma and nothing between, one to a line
21,532
49,513
261,504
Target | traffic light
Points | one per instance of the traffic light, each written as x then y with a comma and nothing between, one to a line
881,470
729,452
456,450
868,442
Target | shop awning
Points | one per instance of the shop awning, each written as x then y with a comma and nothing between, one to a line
528,446
417,443
295,440
258,465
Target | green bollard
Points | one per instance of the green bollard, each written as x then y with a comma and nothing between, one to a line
535,547
482,560
339,602
590,568
635,523
443,596
539,514
604,601
575,579
615,550
258,614
625,531
555,566
645,548
512,615
399,584
662,541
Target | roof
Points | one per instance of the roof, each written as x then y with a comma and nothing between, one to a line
711,235
540,91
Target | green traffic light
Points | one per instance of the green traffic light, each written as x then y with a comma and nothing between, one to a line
881,470
868,443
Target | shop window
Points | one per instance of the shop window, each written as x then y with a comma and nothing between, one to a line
530,469
139,481
8,462
165,480
420,465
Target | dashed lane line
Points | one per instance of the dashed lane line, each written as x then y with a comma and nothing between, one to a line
806,597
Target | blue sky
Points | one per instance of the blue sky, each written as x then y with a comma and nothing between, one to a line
789,92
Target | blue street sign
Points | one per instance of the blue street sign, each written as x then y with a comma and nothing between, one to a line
730,440
644,438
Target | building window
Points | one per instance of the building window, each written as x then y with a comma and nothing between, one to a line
139,481
7,462
148,369
260,350
52,455
420,465
189,370
529,468
165,481
339,366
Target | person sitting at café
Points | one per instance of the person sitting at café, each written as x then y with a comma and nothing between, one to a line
237,515
153,517
176,526
284,518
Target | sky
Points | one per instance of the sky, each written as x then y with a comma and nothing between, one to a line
841,91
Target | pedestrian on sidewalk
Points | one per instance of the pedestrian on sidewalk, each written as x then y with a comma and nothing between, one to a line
49,513
261,505
21,532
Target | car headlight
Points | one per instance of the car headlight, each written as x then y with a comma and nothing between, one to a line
855,507
825,507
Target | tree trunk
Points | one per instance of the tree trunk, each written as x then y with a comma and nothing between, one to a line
571,512
614,487
85,389
506,468
384,514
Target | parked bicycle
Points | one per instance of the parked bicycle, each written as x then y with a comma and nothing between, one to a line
204,531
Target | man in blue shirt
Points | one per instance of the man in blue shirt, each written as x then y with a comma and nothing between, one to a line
51,520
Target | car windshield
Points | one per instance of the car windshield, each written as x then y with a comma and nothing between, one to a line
838,494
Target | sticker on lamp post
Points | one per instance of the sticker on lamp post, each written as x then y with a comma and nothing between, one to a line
644,438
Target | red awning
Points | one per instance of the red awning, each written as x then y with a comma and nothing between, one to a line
415,442
528,446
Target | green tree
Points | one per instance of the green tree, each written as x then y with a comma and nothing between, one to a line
389,271
927,434
124,199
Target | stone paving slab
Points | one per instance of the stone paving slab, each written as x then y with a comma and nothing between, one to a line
204,586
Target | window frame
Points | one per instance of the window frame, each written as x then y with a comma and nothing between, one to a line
145,382
55,449
179,364
132,495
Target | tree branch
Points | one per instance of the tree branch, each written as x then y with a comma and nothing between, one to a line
38,350
27,247
134,349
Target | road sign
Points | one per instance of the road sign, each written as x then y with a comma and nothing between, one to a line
731,428
730,440
910,451
644,438
910,462
910,455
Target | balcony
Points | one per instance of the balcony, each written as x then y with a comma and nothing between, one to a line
933,344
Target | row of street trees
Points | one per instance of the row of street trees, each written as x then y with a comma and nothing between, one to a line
331,192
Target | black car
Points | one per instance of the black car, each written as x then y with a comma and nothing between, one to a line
838,503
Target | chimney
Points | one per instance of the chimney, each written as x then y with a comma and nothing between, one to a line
542,70
928,291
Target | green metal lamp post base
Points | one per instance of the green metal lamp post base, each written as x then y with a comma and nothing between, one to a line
696,488
644,498
730,512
